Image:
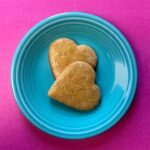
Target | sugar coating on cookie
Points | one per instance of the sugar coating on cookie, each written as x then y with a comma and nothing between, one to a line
76,87
63,52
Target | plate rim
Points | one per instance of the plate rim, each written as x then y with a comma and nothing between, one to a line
99,20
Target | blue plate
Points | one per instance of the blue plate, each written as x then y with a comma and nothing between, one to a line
116,74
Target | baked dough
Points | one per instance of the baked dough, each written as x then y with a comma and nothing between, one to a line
63,52
76,87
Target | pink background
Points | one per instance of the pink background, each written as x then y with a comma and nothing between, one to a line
132,17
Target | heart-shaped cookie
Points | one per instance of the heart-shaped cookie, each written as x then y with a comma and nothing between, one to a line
63,52
76,88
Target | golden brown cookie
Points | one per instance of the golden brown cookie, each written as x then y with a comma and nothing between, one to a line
63,52
75,87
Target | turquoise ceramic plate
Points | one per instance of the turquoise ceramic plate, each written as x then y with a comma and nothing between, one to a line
116,74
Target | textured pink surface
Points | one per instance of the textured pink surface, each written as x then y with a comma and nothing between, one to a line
132,17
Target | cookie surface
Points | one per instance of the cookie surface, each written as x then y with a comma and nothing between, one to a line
76,88
63,52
